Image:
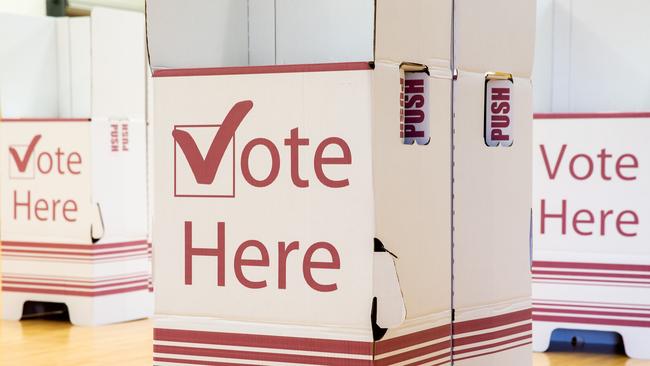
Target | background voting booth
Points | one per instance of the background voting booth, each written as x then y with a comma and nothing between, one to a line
73,176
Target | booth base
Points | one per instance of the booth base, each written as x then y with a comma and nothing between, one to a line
86,311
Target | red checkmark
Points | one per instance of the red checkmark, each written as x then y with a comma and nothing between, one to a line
21,164
204,170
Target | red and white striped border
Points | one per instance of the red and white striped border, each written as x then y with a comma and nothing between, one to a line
75,286
592,274
427,347
191,347
77,253
592,313
488,336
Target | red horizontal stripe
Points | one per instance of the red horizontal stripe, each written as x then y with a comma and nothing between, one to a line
601,266
598,321
68,285
591,274
393,344
589,280
601,115
270,69
260,356
590,306
76,259
491,322
591,312
264,341
91,247
493,335
491,345
492,352
445,357
77,254
195,362
418,352
45,120
70,280
72,292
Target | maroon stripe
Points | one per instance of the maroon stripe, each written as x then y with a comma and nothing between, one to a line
589,280
492,352
57,279
493,335
78,254
195,362
45,120
598,321
393,344
91,287
418,352
602,266
75,259
264,341
73,293
590,312
72,246
270,69
590,306
491,322
422,362
491,345
260,356
591,274
591,115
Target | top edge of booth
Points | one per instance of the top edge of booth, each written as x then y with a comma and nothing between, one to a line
256,36
591,115
38,120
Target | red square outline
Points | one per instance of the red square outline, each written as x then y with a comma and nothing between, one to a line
9,166
199,195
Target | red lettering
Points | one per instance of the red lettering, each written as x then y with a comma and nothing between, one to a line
319,161
620,165
308,265
275,163
294,143
240,262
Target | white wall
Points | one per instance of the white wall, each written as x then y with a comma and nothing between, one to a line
592,56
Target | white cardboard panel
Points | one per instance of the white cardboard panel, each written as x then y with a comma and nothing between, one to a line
64,78
119,64
496,35
318,31
492,193
198,33
80,66
418,31
28,86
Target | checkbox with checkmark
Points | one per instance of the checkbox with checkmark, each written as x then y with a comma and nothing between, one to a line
186,183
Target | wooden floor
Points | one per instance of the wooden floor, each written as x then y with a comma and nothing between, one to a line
54,343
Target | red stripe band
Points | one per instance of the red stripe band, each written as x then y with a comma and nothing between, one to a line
264,341
260,356
90,247
597,321
73,292
270,69
596,266
491,322
394,344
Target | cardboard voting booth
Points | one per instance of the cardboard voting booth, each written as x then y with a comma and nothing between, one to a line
305,177
591,258
493,45
73,219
